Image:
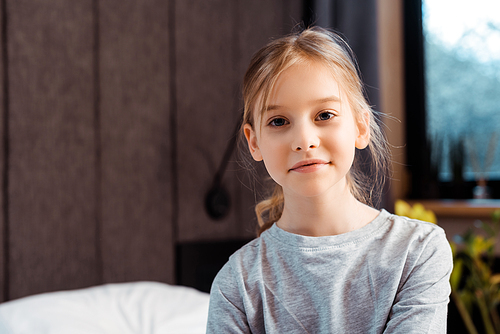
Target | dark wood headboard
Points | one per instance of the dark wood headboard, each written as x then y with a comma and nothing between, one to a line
115,117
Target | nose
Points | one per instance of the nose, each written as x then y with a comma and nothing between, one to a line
305,138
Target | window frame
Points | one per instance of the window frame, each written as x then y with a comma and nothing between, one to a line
423,181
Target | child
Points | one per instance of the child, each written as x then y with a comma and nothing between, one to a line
325,261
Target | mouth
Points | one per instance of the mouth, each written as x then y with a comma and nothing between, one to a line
309,165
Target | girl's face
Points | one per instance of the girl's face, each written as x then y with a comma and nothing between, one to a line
308,134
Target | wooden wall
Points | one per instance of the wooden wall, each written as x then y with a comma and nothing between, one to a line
115,117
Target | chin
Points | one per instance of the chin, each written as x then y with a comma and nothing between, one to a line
319,188
312,191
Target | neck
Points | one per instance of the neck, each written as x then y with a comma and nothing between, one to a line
324,215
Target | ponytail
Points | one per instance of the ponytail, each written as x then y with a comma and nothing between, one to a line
270,210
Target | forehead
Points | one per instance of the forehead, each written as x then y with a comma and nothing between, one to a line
304,83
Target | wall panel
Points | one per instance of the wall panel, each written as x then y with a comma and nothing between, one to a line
52,180
207,111
118,116
3,121
215,41
137,239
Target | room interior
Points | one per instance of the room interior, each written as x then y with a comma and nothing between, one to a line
118,119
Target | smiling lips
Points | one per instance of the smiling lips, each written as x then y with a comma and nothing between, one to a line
309,166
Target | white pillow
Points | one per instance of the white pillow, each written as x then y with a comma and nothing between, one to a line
139,307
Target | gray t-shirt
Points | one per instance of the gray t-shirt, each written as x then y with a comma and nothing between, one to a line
390,276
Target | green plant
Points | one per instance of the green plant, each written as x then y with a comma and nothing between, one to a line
417,211
473,283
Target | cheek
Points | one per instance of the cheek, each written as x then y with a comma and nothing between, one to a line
275,168
342,146
342,138
275,158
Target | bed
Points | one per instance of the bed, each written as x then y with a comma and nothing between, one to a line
121,308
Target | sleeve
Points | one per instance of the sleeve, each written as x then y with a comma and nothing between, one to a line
421,303
226,311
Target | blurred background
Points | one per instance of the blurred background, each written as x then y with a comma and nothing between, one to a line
118,155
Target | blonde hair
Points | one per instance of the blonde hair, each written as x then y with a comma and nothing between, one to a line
318,45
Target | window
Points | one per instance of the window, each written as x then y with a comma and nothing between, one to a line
452,52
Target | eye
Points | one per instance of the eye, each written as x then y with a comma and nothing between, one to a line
278,122
325,116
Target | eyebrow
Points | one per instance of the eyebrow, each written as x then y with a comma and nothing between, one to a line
332,98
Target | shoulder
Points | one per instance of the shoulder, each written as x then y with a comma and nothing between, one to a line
423,289
227,310
247,250
422,243
414,242
410,224
239,264
415,230
232,281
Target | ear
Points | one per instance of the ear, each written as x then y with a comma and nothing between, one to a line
363,137
252,142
